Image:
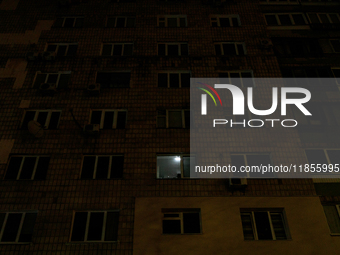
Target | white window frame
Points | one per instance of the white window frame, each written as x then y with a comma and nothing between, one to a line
116,18
174,72
48,118
112,47
230,17
320,21
181,220
166,17
70,17
324,151
95,165
235,45
239,72
87,226
269,211
60,44
48,74
174,110
181,156
23,215
175,43
22,164
306,25
114,124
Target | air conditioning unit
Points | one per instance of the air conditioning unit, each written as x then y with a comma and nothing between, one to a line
266,43
48,88
33,56
91,129
49,55
238,182
93,89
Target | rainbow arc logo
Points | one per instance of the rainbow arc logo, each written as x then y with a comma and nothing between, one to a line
209,93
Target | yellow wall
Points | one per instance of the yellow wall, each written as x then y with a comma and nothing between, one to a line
222,227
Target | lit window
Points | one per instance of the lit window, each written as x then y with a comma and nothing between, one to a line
230,48
102,167
27,168
174,79
174,166
48,119
95,226
109,119
264,224
181,221
17,227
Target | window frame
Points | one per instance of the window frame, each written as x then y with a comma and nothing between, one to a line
240,73
181,156
325,151
112,48
291,20
70,17
230,17
89,212
61,44
337,207
166,17
168,72
181,211
280,211
48,118
322,13
59,73
116,19
114,124
23,216
96,164
235,46
178,44
167,117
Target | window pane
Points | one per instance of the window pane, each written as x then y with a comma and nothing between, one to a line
169,166
79,22
172,50
336,45
13,168
27,227
27,168
117,50
185,80
316,157
279,229
117,167
172,22
42,167
28,117
332,216
108,120
107,48
54,120
162,80
69,22
59,22
174,80
247,226
121,120
191,223
111,22
120,22
161,49
95,226
187,119
238,161
218,49
96,117
235,22
186,166
40,78
61,50
224,22
79,226
285,20
313,18
88,167
240,49
334,156
334,18
171,226
52,78
324,18
51,48
271,20
111,231
229,49
298,19
102,167
175,119
12,227
63,81
263,226
184,49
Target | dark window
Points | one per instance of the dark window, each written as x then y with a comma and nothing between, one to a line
229,49
239,78
117,49
264,225
109,119
95,226
102,167
174,80
48,119
332,213
17,227
173,119
61,80
181,221
69,22
179,49
114,79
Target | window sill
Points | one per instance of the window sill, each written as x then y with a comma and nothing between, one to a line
303,27
91,242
